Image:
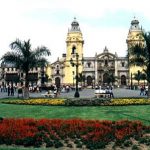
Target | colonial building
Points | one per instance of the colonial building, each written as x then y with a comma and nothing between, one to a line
11,75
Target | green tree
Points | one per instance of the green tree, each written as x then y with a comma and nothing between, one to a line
138,76
81,78
143,77
139,55
24,58
111,79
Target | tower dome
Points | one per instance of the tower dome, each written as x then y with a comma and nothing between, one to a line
75,26
135,24
75,23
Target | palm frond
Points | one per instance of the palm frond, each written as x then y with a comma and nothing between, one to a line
17,45
41,51
42,62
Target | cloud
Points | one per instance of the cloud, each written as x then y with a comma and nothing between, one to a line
103,23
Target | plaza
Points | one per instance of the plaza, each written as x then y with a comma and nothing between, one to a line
84,93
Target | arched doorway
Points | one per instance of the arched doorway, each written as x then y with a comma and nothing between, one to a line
57,82
123,80
89,80
105,78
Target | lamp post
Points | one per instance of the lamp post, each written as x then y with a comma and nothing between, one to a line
76,64
131,81
93,81
73,78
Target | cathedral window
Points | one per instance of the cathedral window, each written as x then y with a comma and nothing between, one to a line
73,50
57,71
123,64
89,64
106,62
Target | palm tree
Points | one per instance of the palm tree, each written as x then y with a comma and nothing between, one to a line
143,77
81,78
140,56
24,58
138,76
111,79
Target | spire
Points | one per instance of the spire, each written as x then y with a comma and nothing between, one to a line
105,50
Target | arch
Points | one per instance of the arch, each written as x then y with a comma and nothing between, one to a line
105,78
123,80
73,50
89,80
57,82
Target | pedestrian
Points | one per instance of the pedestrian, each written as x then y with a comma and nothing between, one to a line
111,92
67,88
12,90
146,90
8,90
142,90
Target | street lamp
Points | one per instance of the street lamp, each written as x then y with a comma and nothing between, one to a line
76,64
73,78
131,81
93,81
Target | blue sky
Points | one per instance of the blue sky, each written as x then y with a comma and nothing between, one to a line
46,22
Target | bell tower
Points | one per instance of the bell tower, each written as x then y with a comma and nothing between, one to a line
134,37
74,46
135,34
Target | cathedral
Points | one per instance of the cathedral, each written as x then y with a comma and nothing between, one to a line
102,69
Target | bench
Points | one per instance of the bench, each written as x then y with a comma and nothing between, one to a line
105,95
52,95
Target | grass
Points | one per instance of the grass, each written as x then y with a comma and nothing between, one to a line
136,112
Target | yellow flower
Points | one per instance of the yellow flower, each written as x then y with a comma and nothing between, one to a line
37,101
129,101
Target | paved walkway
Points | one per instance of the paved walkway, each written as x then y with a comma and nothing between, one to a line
86,93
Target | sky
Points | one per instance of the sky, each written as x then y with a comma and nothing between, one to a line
46,22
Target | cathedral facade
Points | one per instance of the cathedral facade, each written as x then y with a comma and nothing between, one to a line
102,69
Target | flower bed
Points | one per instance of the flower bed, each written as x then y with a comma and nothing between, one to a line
81,101
37,102
129,101
57,132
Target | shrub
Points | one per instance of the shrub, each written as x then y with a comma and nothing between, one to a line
135,147
87,102
127,143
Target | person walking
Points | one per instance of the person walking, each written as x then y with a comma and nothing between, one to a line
111,92
146,90
142,90
8,90
12,90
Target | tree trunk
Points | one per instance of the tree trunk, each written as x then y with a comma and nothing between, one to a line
148,94
26,88
26,93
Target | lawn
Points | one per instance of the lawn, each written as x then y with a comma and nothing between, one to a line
134,112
